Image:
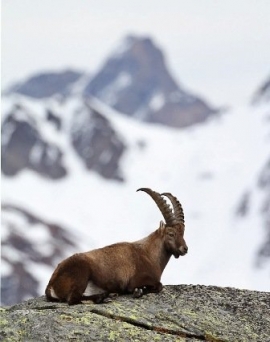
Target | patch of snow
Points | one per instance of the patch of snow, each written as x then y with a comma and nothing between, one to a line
123,80
177,96
7,132
157,102
36,153
141,113
6,268
121,48
78,87
20,115
105,157
109,93
52,154
12,254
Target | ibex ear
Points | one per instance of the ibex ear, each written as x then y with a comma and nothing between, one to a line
162,224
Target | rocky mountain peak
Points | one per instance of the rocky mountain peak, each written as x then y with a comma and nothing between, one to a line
143,55
135,81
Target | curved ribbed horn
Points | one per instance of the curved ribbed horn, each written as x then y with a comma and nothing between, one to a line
162,205
177,207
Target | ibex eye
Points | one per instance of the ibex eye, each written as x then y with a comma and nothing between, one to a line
171,234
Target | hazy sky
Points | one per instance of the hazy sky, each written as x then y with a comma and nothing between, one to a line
218,49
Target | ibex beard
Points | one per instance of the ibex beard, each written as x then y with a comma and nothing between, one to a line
125,267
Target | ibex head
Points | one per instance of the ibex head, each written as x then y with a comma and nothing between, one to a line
174,225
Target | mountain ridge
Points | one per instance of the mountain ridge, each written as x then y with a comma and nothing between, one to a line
134,80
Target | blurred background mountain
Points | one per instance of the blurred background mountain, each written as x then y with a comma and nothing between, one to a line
77,144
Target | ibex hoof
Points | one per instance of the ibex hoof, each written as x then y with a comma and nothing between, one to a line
113,295
107,300
138,292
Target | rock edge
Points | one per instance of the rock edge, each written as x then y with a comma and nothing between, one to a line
178,313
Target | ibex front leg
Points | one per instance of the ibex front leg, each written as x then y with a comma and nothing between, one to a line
143,284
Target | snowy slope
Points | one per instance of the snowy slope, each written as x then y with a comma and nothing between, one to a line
30,246
208,167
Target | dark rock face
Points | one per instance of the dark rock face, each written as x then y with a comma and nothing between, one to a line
19,285
193,110
23,254
54,119
136,82
244,205
264,184
262,257
262,95
264,179
23,147
47,84
179,313
97,143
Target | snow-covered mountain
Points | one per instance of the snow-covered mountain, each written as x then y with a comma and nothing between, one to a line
133,80
70,168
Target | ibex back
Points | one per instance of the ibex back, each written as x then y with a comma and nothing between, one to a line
125,267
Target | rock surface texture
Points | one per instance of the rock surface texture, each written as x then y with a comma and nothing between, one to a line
178,313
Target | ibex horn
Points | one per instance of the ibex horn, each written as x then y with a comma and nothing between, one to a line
177,207
162,205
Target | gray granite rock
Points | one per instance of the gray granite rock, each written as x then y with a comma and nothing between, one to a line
178,313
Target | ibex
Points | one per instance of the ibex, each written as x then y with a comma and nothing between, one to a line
125,267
